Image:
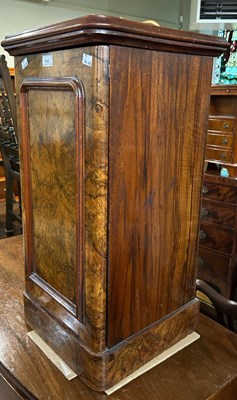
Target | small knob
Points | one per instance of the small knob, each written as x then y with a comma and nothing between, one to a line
224,141
205,190
202,235
200,260
226,126
223,156
204,212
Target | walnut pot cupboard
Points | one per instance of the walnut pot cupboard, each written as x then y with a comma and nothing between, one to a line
113,116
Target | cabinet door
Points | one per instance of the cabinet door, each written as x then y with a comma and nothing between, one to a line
51,138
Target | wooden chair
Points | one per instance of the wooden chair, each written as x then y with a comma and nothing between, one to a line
226,310
9,145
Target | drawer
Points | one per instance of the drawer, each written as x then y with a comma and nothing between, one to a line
221,124
214,265
218,139
216,238
219,154
215,191
221,214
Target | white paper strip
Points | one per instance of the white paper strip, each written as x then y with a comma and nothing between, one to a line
157,360
70,374
52,356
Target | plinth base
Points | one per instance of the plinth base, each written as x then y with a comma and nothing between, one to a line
101,371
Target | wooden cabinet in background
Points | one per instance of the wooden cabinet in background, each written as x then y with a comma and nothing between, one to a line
218,233
217,261
222,128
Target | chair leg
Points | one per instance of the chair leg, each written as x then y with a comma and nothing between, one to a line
9,207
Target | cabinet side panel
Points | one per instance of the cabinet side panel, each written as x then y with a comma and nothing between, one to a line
158,117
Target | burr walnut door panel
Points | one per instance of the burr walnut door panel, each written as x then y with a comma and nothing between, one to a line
53,133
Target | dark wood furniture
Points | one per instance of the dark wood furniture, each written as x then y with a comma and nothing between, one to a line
217,262
226,310
9,146
218,235
2,180
2,170
222,128
113,116
206,369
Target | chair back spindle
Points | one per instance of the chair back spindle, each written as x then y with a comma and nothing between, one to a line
9,146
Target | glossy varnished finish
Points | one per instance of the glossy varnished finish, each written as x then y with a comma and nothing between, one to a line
111,247
77,179
204,370
97,29
155,172
59,140
223,124
217,261
218,239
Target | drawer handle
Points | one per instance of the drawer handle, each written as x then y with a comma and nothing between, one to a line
226,126
224,141
200,261
205,190
202,235
223,156
204,212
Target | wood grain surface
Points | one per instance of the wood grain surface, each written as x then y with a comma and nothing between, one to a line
155,169
54,170
217,243
102,29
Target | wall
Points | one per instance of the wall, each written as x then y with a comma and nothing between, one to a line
19,15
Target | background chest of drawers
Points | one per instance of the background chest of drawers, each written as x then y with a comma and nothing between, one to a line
221,145
217,256
217,236
221,139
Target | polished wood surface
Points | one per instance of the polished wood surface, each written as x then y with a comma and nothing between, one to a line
206,369
110,279
226,310
97,29
222,127
218,233
155,173
57,172
217,260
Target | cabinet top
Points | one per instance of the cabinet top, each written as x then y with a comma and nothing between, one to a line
101,29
